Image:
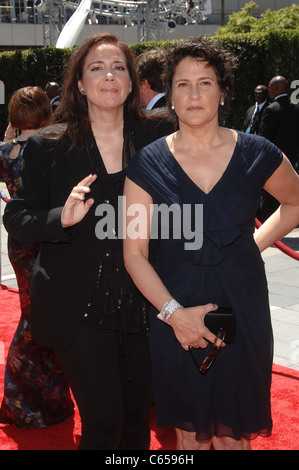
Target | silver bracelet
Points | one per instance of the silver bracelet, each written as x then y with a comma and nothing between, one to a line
168,309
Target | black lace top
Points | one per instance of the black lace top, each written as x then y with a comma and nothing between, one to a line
116,303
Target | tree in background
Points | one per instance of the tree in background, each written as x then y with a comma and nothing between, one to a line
243,21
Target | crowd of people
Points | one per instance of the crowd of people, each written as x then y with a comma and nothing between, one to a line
277,121
120,319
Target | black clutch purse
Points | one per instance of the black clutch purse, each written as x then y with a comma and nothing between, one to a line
222,318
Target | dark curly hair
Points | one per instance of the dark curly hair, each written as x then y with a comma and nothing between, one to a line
210,51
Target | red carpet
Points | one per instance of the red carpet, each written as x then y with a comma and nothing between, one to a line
65,436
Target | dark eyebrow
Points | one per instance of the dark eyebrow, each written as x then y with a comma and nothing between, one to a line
99,61
199,78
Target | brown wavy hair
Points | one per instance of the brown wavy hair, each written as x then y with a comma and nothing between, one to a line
73,109
29,108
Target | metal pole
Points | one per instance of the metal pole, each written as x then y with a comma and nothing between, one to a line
222,12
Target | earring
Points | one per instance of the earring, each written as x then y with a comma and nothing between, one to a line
82,92
172,107
222,103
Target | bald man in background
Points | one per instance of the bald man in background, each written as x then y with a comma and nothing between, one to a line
254,114
280,125
280,121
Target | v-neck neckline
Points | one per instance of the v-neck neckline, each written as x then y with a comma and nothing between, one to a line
97,163
227,168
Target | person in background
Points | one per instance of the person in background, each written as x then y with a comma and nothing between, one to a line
279,124
254,113
36,393
150,66
211,177
10,133
84,303
53,92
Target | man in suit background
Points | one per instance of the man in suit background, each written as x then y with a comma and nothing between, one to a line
280,121
150,66
53,92
280,125
254,114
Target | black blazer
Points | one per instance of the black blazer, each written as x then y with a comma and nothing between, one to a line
161,103
66,268
280,125
254,126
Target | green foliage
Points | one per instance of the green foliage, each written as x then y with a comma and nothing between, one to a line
29,68
243,20
240,21
279,20
261,56
140,47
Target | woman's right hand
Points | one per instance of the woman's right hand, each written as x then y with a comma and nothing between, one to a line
189,328
76,207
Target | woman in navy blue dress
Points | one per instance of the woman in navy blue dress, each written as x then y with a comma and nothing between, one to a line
221,171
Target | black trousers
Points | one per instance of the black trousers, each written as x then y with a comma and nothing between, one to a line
111,383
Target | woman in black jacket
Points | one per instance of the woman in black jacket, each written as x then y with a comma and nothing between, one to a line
41,396
84,304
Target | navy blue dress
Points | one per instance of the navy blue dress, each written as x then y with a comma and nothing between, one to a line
233,397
